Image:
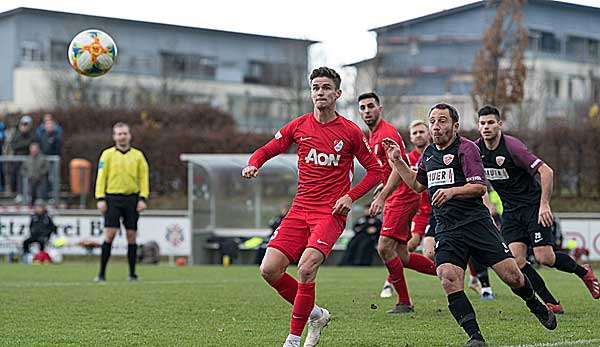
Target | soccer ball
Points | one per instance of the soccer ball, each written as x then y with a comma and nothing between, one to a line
92,53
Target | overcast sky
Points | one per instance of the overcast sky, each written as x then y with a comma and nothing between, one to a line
341,26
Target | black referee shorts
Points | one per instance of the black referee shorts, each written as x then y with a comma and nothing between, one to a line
121,207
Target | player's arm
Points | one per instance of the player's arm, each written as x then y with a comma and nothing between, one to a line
400,166
101,181
367,159
281,143
545,216
392,183
144,183
533,165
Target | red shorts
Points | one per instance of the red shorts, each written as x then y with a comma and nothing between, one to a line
301,229
397,218
420,222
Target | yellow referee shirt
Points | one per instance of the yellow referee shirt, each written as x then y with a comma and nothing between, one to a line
122,173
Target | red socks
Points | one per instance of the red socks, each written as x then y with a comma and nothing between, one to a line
303,305
422,264
396,270
286,286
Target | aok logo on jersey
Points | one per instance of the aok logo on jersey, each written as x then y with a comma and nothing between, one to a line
493,174
322,159
440,177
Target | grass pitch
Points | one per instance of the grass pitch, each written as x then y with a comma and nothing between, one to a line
59,305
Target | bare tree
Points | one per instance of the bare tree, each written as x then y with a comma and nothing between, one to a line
498,70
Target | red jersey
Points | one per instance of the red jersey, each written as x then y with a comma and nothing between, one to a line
425,205
384,129
325,159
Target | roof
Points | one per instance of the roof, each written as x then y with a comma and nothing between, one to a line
475,5
361,62
21,10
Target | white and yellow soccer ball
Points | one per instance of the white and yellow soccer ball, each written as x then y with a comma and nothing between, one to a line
92,53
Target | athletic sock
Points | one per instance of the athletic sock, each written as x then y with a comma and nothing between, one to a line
484,278
104,256
303,305
538,284
528,295
132,257
421,263
567,264
462,310
396,270
316,313
286,286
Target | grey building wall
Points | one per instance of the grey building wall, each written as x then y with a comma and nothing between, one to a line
8,58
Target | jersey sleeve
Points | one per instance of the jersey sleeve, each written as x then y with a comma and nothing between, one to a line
471,164
280,143
102,175
366,158
421,172
521,156
144,177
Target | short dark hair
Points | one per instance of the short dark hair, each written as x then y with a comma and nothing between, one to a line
444,106
487,110
327,72
120,125
368,96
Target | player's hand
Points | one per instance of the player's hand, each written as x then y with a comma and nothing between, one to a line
545,216
392,149
141,205
343,205
250,171
101,205
441,196
376,206
414,242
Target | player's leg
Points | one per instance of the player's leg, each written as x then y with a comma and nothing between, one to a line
542,239
272,270
451,256
105,250
519,250
489,249
130,220
474,282
415,261
386,247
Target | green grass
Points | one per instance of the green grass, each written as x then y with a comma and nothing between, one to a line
214,306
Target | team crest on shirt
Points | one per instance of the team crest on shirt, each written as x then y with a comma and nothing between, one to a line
338,144
448,158
500,160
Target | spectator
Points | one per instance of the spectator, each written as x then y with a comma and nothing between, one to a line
50,138
42,127
35,171
361,248
19,144
41,227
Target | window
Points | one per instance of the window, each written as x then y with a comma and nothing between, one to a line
58,52
549,43
553,87
577,89
576,47
30,51
188,65
277,74
543,41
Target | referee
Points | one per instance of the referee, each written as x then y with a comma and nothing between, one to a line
122,187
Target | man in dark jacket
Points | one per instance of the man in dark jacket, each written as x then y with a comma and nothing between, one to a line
19,144
41,227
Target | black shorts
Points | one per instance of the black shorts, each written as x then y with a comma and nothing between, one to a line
522,225
121,206
479,239
430,232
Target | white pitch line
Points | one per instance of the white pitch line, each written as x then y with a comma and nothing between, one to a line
596,342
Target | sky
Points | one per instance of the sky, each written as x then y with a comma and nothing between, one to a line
342,27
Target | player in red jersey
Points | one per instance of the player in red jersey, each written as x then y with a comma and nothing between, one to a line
327,145
401,205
